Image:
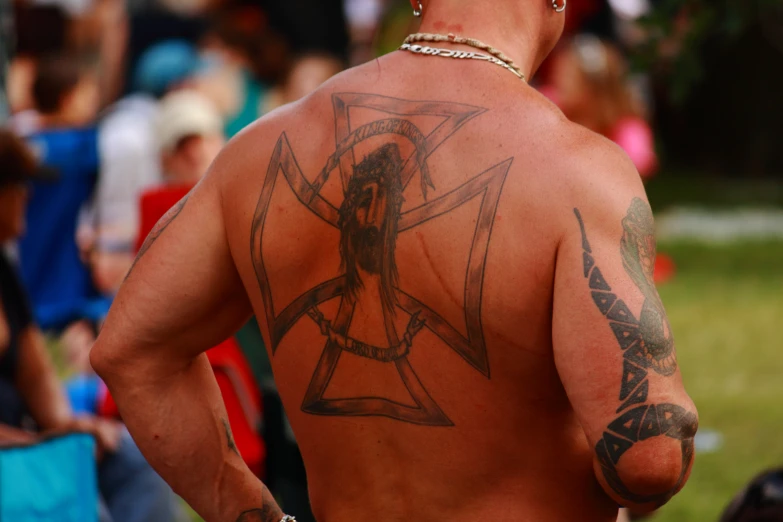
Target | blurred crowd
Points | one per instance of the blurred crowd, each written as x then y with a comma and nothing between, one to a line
114,109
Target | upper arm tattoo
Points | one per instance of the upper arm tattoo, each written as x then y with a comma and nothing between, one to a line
229,437
647,344
370,216
158,229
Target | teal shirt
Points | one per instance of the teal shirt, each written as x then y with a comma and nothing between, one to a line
250,111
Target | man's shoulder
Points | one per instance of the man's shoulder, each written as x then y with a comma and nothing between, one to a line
571,150
576,159
561,165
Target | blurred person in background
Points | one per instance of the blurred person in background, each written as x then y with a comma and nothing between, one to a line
32,403
310,25
589,82
100,27
363,18
306,74
39,31
65,94
156,21
244,55
626,20
590,16
189,135
83,387
84,27
760,501
7,49
130,160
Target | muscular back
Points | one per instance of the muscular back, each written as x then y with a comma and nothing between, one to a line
455,288
403,233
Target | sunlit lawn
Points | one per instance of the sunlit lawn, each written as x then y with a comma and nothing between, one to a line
726,308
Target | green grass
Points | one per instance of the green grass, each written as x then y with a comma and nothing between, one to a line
676,188
726,309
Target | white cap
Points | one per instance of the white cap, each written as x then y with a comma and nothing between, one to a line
186,113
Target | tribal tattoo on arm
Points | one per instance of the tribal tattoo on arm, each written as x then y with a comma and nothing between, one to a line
229,436
158,229
270,512
648,345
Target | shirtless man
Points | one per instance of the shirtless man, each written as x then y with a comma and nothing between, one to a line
454,285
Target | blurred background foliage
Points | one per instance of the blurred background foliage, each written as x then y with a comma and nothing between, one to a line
697,24
717,70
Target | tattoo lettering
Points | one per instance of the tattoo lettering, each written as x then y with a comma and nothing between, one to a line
647,344
270,512
229,436
158,229
370,217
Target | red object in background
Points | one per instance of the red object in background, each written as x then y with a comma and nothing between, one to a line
240,395
636,138
154,203
243,401
664,268
240,391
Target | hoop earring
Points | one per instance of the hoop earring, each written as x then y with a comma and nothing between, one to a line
561,8
417,12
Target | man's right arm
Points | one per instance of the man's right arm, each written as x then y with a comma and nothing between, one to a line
182,297
614,349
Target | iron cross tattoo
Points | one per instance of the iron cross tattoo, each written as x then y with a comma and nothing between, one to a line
370,217
647,344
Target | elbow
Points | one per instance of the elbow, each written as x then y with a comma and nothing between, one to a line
650,472
111,360
662,475
123,362
103,360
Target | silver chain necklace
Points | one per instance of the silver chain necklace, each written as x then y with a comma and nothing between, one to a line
409,46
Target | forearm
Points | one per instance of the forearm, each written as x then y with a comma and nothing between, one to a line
11,436
177,418
48,404
38,384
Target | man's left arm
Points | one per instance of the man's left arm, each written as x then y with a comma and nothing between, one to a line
182,297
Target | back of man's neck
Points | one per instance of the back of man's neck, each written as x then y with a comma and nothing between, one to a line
509,32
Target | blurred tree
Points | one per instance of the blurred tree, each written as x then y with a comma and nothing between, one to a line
717,68
680,30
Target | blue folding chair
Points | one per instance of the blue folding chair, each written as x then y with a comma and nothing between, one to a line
54,481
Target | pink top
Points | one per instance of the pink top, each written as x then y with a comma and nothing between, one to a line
636,138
